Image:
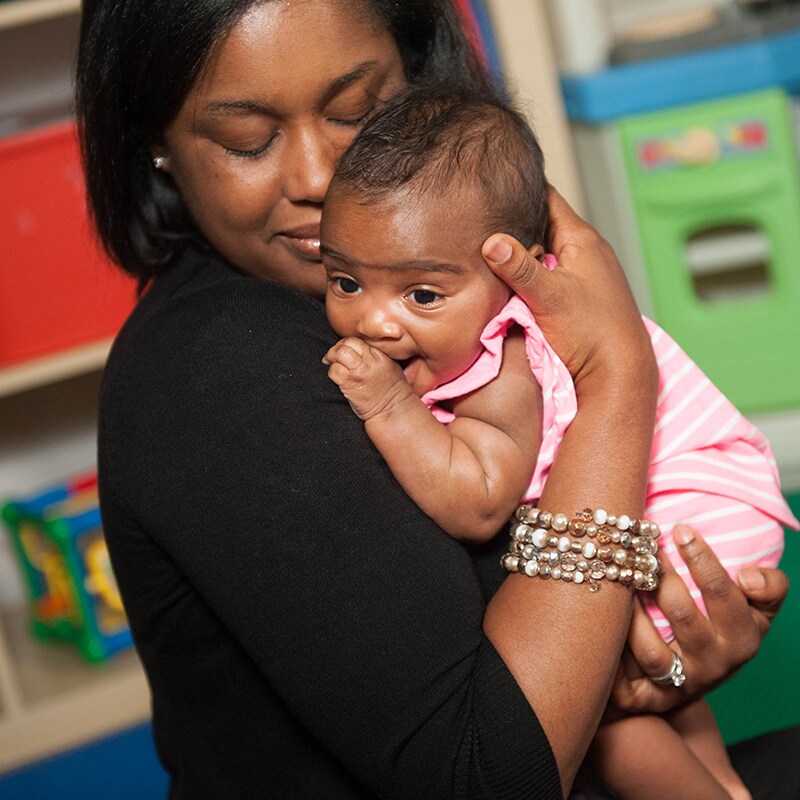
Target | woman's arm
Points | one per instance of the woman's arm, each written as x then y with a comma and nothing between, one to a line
556,637
469,475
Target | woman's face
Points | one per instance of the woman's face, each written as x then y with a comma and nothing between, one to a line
255,144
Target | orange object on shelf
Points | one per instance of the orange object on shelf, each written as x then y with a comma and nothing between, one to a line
58,289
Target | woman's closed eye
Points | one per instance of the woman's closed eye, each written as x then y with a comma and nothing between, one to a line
353,120
250,152
353,111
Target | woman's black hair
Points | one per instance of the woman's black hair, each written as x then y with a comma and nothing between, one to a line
438,139
137,61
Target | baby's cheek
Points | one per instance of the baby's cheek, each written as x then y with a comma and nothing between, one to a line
338,318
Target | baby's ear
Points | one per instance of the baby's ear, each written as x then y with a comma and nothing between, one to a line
537,251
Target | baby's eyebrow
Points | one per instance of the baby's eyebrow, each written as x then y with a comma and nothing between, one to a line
444,267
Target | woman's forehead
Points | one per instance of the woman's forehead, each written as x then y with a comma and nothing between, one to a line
279,48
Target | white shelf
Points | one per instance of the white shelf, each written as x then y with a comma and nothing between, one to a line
19,378
59,701
15,13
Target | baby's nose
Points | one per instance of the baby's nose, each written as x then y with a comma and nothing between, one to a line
378,323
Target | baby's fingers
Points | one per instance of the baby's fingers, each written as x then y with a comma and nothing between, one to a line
347,352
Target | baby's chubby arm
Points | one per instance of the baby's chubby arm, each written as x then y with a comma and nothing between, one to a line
469,475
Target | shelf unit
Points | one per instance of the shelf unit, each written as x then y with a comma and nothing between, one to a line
16,13
44,371
50,699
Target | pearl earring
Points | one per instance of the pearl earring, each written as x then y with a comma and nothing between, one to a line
159,161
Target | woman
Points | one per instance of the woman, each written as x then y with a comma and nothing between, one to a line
306,631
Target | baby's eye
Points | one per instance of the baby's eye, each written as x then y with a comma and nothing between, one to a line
348,285
424,297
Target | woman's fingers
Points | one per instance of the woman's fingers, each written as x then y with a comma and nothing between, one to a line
766,589
518,267
730,617
689,625
646,656
711,646
720,594
652,655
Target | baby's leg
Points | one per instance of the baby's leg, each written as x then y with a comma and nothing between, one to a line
696,724
645,757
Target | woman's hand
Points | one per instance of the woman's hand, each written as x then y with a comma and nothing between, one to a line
712,648
584,306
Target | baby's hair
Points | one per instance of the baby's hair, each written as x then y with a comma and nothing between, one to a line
437,139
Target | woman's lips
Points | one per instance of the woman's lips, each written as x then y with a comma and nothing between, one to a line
303,241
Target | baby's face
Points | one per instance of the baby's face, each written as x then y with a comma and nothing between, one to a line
406,275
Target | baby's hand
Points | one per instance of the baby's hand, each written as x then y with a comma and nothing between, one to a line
372,383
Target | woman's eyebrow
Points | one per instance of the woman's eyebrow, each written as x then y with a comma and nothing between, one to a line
337,85
239,107
343,81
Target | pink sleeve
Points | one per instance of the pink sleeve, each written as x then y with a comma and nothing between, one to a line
558,392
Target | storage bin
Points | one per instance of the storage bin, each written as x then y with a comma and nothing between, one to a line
58,289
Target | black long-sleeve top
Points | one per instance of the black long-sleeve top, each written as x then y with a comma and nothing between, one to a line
306,630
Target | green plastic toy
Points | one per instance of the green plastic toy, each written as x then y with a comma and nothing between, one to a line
716,189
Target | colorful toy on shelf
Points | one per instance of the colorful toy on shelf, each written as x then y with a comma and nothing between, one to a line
73,595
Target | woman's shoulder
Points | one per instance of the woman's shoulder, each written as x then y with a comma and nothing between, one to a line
203,306
203,333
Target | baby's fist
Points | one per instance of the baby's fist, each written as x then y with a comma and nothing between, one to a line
372,383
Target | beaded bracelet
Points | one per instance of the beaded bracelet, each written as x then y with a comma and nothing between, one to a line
614,548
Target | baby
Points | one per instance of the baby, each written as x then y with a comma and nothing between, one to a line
467,402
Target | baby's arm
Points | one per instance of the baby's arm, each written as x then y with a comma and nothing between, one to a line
645,756
468,475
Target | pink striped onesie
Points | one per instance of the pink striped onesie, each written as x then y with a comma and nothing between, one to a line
709,466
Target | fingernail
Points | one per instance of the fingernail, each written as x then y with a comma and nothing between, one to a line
682,535
499,251
752,579
325,360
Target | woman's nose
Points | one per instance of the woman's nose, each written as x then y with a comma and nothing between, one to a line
310,166
377,322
